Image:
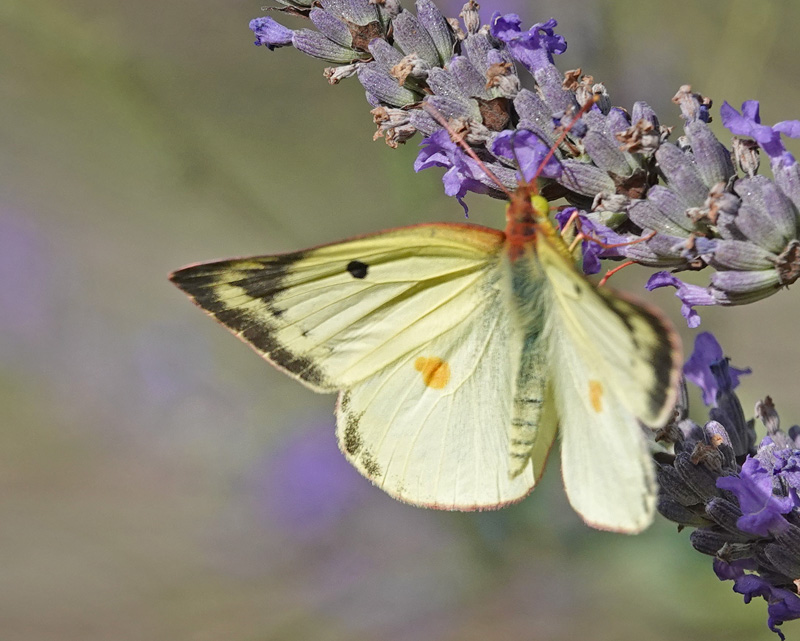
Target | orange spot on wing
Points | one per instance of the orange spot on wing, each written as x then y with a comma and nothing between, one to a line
435,372
596,395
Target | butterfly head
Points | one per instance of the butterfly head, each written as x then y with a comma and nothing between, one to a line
527,214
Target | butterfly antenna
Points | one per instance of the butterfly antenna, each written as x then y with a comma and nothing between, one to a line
459,140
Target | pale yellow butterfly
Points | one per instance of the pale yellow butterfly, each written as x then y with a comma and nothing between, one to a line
457,351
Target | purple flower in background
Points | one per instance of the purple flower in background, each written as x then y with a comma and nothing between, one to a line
700,368
305,486
27,272
171,364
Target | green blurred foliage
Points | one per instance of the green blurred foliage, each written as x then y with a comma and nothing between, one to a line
152,481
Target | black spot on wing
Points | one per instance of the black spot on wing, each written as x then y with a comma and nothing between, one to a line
357,269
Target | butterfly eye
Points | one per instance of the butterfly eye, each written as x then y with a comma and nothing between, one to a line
357,269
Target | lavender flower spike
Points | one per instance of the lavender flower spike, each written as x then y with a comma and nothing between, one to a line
743,502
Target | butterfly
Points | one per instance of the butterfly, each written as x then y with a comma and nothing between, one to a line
458,352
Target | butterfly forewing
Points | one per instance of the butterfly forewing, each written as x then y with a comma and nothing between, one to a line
337,314
638,349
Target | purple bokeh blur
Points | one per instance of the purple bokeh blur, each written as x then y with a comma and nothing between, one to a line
304,485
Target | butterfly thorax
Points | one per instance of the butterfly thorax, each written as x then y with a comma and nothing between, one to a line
528,218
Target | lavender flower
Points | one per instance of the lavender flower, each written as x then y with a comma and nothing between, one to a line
707,351
752,237
419,69
685,202
742,501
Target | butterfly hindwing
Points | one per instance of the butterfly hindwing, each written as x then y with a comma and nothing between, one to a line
334,315
614,362
434,428
605,459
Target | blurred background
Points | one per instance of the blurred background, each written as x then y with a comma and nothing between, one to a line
159,480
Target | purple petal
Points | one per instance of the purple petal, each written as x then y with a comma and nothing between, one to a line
733,570
762,511
463,173
784,605
748,123
689,295
786,462
528,151
702,368
592,251
270,34
698,367
533,48
789,128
